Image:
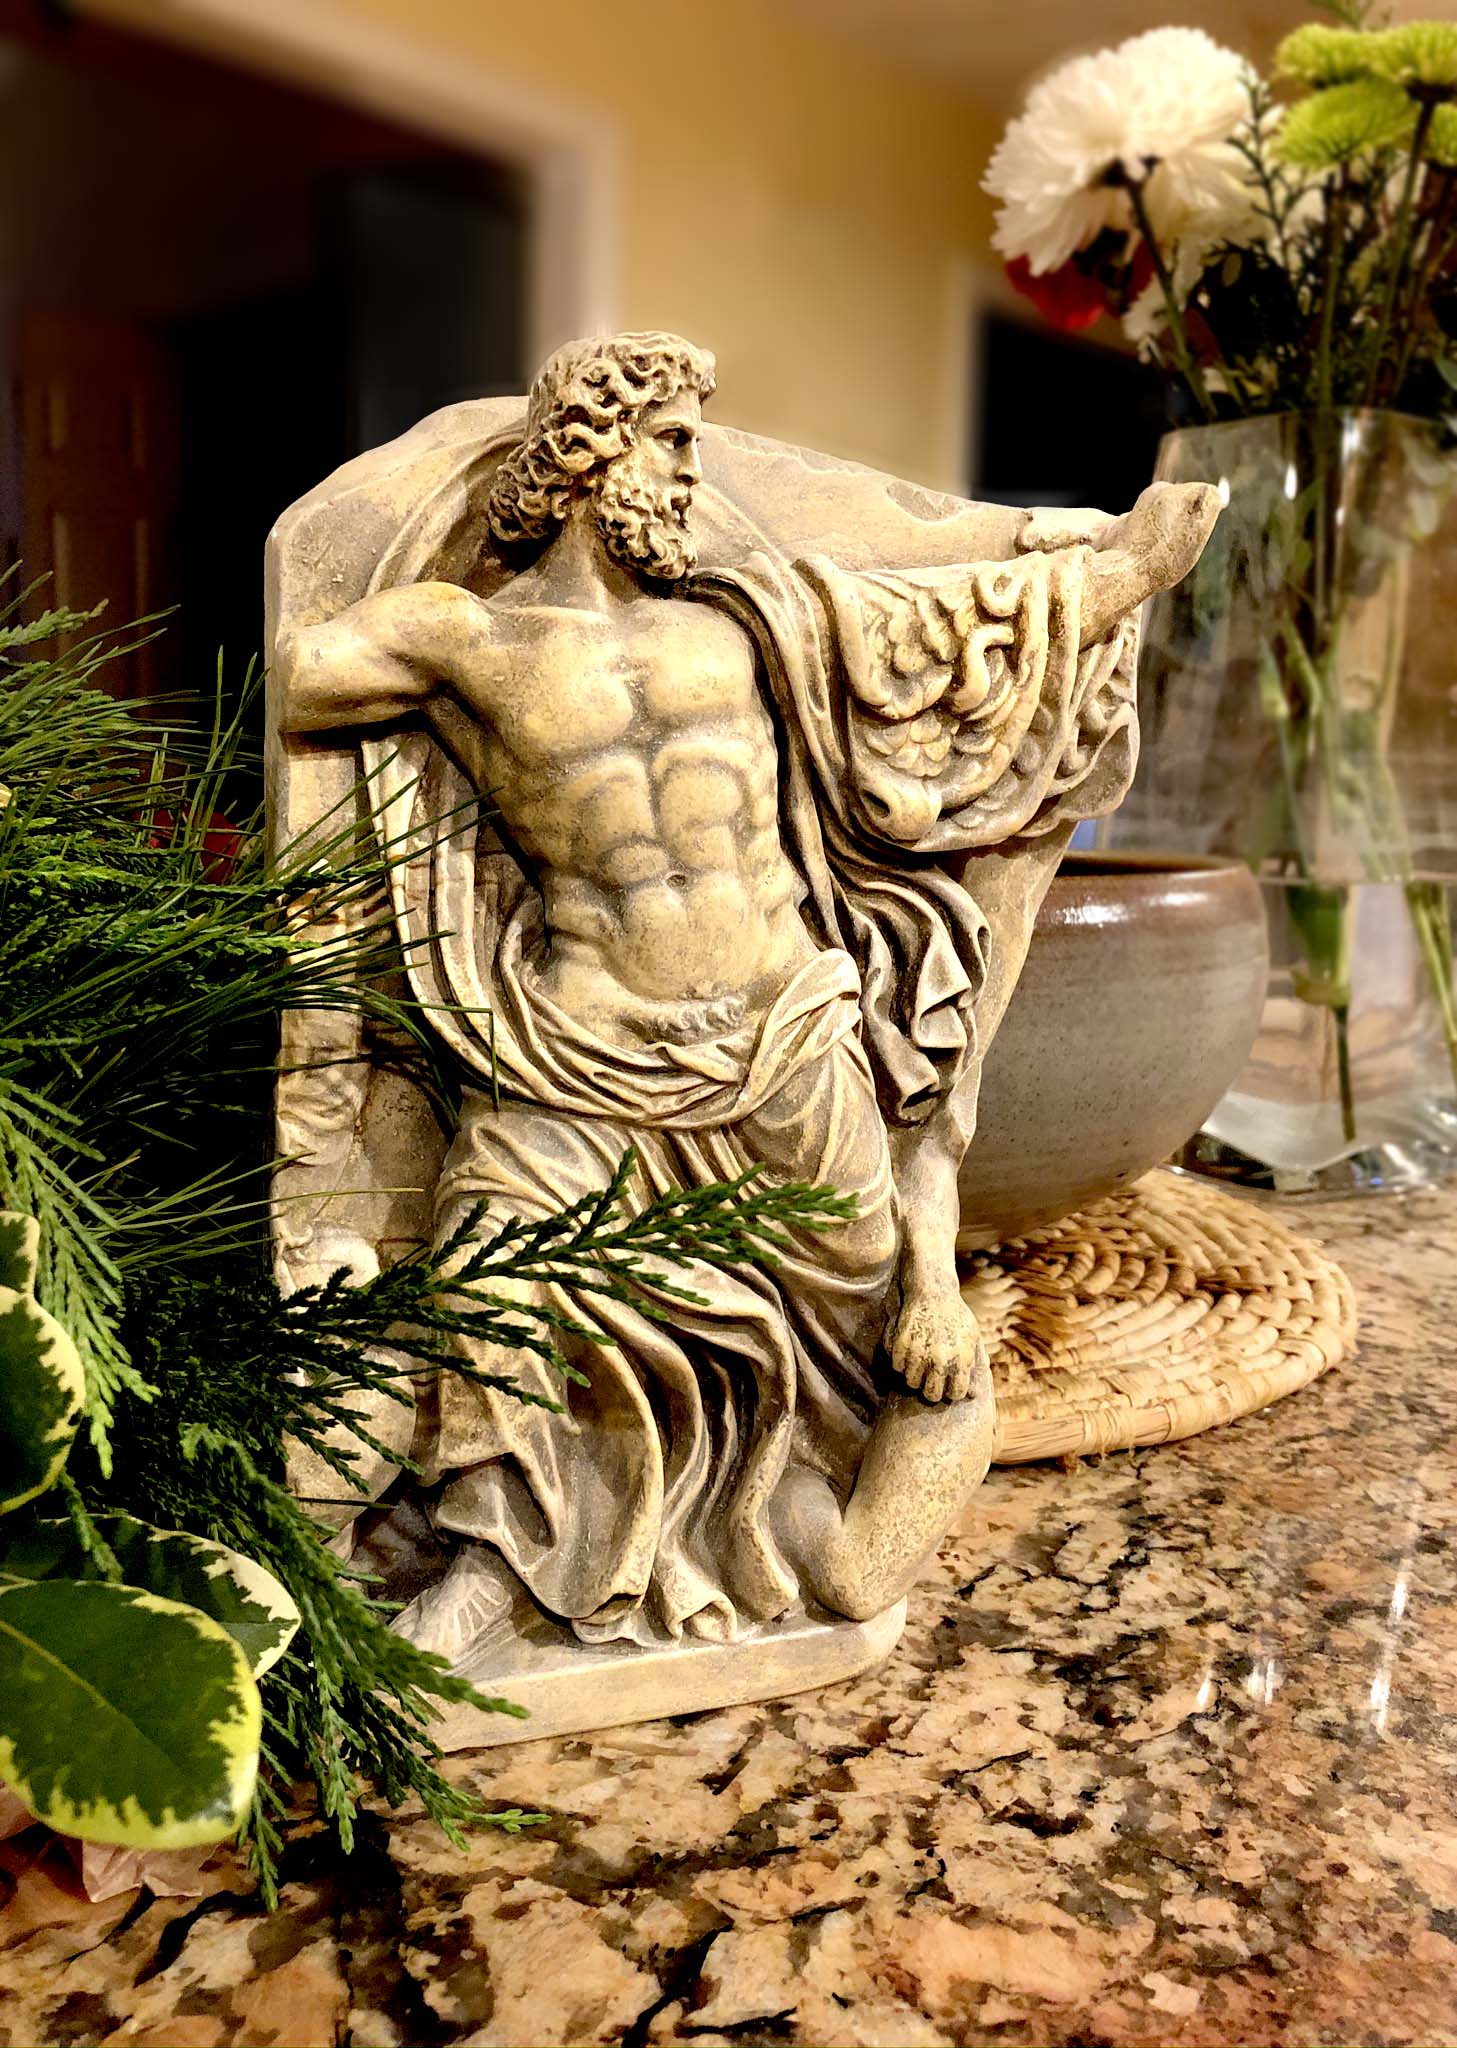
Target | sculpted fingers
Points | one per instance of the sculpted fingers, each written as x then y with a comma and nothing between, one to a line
1050,527
911,1362
905,1342
958,1379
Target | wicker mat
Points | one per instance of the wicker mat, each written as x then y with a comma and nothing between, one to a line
1150,1315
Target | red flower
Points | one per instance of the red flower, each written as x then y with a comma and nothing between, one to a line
222,843
1067,296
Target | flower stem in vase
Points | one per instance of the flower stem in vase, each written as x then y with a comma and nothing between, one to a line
1434,935
1311,747
1318,913
1193,376
1401,242
1335,238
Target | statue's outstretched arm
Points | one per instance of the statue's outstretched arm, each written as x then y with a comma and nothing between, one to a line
977,733
1149,549
380,660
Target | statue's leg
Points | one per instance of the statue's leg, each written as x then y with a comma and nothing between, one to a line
921,1459
923,1462
496,1462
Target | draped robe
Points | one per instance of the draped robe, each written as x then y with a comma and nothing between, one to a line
919,716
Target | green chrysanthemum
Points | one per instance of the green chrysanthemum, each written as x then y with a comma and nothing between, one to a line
1442,138
1322,56
1343,122
1421,56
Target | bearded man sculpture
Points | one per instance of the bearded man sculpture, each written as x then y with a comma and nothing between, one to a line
729,772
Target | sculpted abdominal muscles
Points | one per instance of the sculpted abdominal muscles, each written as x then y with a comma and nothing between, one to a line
650,845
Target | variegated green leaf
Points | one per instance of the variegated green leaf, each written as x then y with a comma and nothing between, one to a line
249,1602
124,1718
41,1391
19,1249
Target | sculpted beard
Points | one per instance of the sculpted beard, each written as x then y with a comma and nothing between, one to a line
644,527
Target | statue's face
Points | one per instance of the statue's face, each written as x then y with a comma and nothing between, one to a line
645,494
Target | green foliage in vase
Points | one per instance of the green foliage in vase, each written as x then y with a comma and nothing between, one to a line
148,948
1282,248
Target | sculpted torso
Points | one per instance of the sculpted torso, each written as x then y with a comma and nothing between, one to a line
633,767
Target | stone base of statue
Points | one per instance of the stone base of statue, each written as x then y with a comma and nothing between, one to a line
567,1686
467,1606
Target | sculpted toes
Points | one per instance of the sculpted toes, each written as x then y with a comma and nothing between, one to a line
933,1386
911,1364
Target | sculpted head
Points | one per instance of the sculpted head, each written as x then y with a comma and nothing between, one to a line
612,423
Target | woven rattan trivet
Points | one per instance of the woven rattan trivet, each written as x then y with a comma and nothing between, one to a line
1150,1315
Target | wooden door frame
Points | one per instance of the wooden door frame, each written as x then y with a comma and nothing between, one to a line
568,159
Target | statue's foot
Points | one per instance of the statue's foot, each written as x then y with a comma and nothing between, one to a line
473,1602
922,1463
936,1346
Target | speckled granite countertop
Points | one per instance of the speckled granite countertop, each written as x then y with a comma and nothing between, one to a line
1165,1756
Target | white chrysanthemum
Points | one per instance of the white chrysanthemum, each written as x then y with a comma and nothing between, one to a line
1171,98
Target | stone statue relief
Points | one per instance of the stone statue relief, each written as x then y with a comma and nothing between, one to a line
732,707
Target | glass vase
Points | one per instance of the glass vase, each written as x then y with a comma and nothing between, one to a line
1298,696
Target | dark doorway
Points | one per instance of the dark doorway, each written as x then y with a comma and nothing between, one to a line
1061,421
263,284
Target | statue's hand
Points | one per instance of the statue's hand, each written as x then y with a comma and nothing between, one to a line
1049,527
936,1347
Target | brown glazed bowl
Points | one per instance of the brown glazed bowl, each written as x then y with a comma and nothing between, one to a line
1136,1009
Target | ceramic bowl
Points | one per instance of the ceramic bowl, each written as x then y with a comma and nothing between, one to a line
1136,1009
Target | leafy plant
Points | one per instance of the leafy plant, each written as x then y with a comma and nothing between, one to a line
92,1615
1269,254
40,1371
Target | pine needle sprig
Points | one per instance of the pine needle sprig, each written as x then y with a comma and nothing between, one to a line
140,988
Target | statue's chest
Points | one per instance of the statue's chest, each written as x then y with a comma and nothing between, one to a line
638,688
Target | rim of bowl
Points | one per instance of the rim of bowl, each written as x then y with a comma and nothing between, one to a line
1184,887
1091,860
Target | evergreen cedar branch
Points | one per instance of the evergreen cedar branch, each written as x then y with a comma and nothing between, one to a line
145,960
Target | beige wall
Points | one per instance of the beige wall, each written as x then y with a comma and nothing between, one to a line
777,194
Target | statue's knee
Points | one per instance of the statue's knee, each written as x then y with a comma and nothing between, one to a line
863,1578
862,1601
